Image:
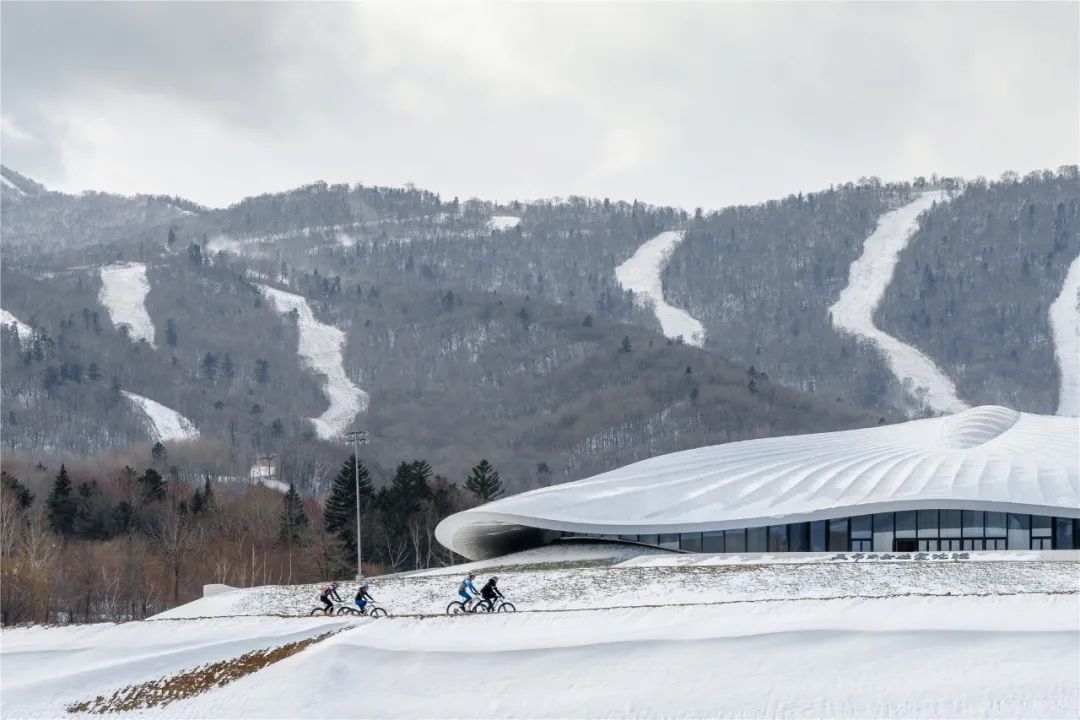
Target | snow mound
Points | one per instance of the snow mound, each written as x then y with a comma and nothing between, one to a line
1065,326
26,333
503,222
124,288
166,425
320,348
852,658
642,273
869,277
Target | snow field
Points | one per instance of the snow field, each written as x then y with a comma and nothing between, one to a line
26,333
897,657
47,668
869,277
503,222
1065,326
124,288
166,424
642,273
320,348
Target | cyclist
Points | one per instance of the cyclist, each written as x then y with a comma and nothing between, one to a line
328,595
465,588
490,591
362,597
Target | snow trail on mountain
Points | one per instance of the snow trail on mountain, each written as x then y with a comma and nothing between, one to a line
25,331
642,274
1065,327
12,186
503,222
869,277
166,424
320,348
124,288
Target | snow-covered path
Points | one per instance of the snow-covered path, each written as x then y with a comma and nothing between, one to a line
869,277
1065,326
25,331
124,288
321,348
642,273
166,424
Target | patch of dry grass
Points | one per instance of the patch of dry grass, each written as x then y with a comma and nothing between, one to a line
161,692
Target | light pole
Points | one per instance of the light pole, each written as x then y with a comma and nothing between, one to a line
358,437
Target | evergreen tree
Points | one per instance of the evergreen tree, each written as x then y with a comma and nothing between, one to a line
153,486
262,371
60,505
339,515
483,482
10,484
158,452
171,239
209,366
170,332
294,521
626,347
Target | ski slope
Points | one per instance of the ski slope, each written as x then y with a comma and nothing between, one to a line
869,277
166,425
642,273
124,288
1065,326
503,222
25,331
321,348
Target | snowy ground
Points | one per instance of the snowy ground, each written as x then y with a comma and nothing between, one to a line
503,222
642,273
1065,325
641,637
124,288
166,424
25,331
321,348
870,275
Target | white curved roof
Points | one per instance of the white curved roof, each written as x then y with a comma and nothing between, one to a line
989,458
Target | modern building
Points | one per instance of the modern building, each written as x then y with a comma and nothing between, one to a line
989,478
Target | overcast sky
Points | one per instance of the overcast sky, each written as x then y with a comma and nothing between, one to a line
692,105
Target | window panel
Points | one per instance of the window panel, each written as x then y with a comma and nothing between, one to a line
669,541
818,538
757,539
649,539
905,524
690,542
861,527
1041,526
712,541
1019,532
1063,537
838,537
861,545
799,537
973,523
778,538
735,541
1040,543
883,532
928,523
995,524
950,523
631,538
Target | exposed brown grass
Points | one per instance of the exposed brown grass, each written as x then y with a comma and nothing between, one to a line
161,692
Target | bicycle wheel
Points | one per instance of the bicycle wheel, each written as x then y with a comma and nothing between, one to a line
455,608
507,607
377,613
346,610
484,606
318,611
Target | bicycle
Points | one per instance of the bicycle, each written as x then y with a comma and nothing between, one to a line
490,606
372,610
457,607
337,609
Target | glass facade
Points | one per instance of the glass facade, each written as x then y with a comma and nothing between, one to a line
905,531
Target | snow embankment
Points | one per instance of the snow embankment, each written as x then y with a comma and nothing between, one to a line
912,657
321,348
503,222
1065,326
48,668
166,425
869,277
124,288
642,273
26,333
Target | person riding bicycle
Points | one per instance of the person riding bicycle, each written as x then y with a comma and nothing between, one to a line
490,591
362,597
328,595
465,588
